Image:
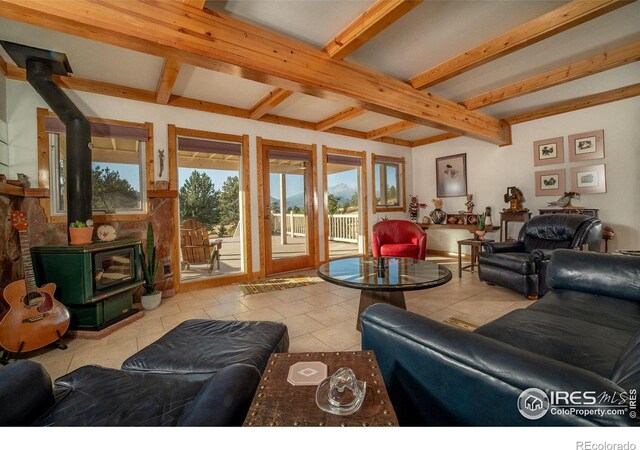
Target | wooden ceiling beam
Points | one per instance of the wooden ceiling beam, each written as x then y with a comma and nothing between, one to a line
375,19
113,90
168,77
342,116
391,129
558,108
268,102
434,139
605,61
206,39
171,67
560,19
3,66
195,3
577,104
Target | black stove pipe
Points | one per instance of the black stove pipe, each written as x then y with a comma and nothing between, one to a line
78,181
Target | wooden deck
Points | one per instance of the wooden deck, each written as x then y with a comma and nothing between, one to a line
231,262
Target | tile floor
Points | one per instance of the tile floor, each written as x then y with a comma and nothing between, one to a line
319,317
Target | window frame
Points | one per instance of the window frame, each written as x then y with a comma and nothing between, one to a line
46,175
387,161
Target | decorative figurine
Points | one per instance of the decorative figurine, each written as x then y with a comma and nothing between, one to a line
161,156
3,178
413,208
437,215
487,217
565,201
515,198
469,204
24,180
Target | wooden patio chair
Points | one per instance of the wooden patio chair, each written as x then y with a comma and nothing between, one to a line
195,246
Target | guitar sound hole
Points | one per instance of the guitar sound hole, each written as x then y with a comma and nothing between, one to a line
33,299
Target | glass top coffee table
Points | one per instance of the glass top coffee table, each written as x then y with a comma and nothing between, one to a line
383,280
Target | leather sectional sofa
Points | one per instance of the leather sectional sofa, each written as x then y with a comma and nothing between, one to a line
583,336
202,373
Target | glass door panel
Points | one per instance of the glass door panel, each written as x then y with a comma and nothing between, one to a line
288,196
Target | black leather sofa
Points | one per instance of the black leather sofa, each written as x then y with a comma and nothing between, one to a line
522,265
202,373
584,335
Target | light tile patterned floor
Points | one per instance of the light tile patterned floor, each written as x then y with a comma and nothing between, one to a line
319,317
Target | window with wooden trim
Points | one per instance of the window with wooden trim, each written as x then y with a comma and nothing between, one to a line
119,165
388,184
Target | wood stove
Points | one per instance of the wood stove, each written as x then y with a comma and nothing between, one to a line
95,282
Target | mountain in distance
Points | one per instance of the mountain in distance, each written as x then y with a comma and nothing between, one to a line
342,191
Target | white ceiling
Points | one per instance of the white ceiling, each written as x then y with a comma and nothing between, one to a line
601,82
314,22
607,32
429,34
439,30
88,59
305,107
416,133
217,87
368,121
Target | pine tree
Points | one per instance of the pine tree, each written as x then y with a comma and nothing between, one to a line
199,199
110,192
229,202
332,202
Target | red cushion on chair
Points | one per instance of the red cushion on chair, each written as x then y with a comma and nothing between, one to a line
400,250
403,238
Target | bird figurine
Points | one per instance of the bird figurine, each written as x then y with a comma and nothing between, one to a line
565,201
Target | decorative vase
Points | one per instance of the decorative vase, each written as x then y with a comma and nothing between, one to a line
480,234
426,220
80,236
151,301
437,215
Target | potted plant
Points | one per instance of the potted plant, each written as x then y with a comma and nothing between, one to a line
481,230
80,233
151,298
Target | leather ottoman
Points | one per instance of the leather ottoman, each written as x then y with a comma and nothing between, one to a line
206,346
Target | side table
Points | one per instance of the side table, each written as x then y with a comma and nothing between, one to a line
509,216
279,403
475,247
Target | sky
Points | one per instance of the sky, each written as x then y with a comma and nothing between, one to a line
131,173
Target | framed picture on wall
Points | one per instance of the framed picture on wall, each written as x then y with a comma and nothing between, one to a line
451,175
550,182
548,151
589,179
585,146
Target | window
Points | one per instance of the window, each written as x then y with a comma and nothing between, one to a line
118,167
388,184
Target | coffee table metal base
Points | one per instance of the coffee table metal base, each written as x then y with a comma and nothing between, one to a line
368,298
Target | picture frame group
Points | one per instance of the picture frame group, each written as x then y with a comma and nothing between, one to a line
581,147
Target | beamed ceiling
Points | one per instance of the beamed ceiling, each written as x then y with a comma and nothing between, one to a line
399,71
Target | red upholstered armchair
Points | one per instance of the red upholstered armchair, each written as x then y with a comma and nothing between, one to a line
398,238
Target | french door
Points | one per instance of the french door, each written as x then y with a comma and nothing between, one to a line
289,206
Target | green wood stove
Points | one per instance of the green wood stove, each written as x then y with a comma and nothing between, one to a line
95,282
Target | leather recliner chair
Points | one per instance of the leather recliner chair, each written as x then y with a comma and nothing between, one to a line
399,238
522,265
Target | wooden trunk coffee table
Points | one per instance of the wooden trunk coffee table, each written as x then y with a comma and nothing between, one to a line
383,280
279,403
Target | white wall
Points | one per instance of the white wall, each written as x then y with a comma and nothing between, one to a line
22,102
490,170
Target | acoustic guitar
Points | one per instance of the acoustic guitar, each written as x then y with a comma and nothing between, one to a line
32,318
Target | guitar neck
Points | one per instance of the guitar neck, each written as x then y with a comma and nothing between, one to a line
27,263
